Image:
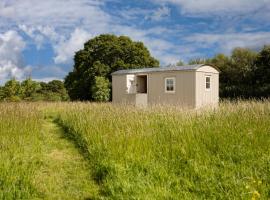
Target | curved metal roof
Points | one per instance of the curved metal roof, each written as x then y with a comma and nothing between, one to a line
161,69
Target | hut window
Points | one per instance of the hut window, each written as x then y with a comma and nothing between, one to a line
170,85
207,82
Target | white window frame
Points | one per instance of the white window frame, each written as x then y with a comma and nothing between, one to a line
205,83
174,85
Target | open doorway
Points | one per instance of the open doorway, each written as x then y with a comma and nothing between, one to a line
142,84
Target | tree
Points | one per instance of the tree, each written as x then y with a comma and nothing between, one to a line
196,61
33,91
262,72
236,72
29,88
12,90
101,89
52,91
100,57
243,61
223,63
57,86
2,93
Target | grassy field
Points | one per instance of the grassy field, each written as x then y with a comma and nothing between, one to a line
19,150
128,153
36,159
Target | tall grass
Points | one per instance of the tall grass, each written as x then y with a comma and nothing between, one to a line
168,153
19,150
153,153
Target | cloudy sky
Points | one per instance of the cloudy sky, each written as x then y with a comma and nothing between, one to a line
39,38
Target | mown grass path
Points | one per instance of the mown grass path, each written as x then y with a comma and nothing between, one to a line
64,173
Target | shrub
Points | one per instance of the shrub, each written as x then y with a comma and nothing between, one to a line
101,89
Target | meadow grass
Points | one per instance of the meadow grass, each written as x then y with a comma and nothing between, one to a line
130,153
36,159
169,153
19,150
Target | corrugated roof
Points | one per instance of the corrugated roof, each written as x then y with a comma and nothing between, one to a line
159,69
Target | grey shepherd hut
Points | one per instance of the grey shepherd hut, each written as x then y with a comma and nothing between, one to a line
191,86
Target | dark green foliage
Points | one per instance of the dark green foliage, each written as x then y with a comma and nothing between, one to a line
245,74
101,56
237,76
2,93
52,91
262,72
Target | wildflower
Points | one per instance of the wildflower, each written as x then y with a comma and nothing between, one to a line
255,195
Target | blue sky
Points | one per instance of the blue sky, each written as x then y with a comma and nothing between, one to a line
39,38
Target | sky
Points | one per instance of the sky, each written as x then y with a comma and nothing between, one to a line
39,38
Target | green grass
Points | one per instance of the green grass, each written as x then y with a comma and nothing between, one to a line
168,153
64,174
19,150
37,161
101,151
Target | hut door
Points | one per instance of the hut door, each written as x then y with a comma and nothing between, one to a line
142,90
142,84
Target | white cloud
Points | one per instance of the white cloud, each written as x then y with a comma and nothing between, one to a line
40,34
47,79
148,14
66,49
54,21
219,7
11,62
64,46
66,25
161,13
227,41
61,13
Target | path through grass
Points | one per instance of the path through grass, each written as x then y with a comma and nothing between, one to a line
64,173
165,153
155,153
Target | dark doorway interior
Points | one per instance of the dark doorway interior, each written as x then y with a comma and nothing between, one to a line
142,84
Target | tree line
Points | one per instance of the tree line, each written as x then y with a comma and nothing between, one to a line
30,90
243,74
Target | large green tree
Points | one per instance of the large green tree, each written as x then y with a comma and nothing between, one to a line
236,72
100,57
242,64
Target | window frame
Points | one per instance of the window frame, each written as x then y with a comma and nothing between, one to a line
174,85
205,83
